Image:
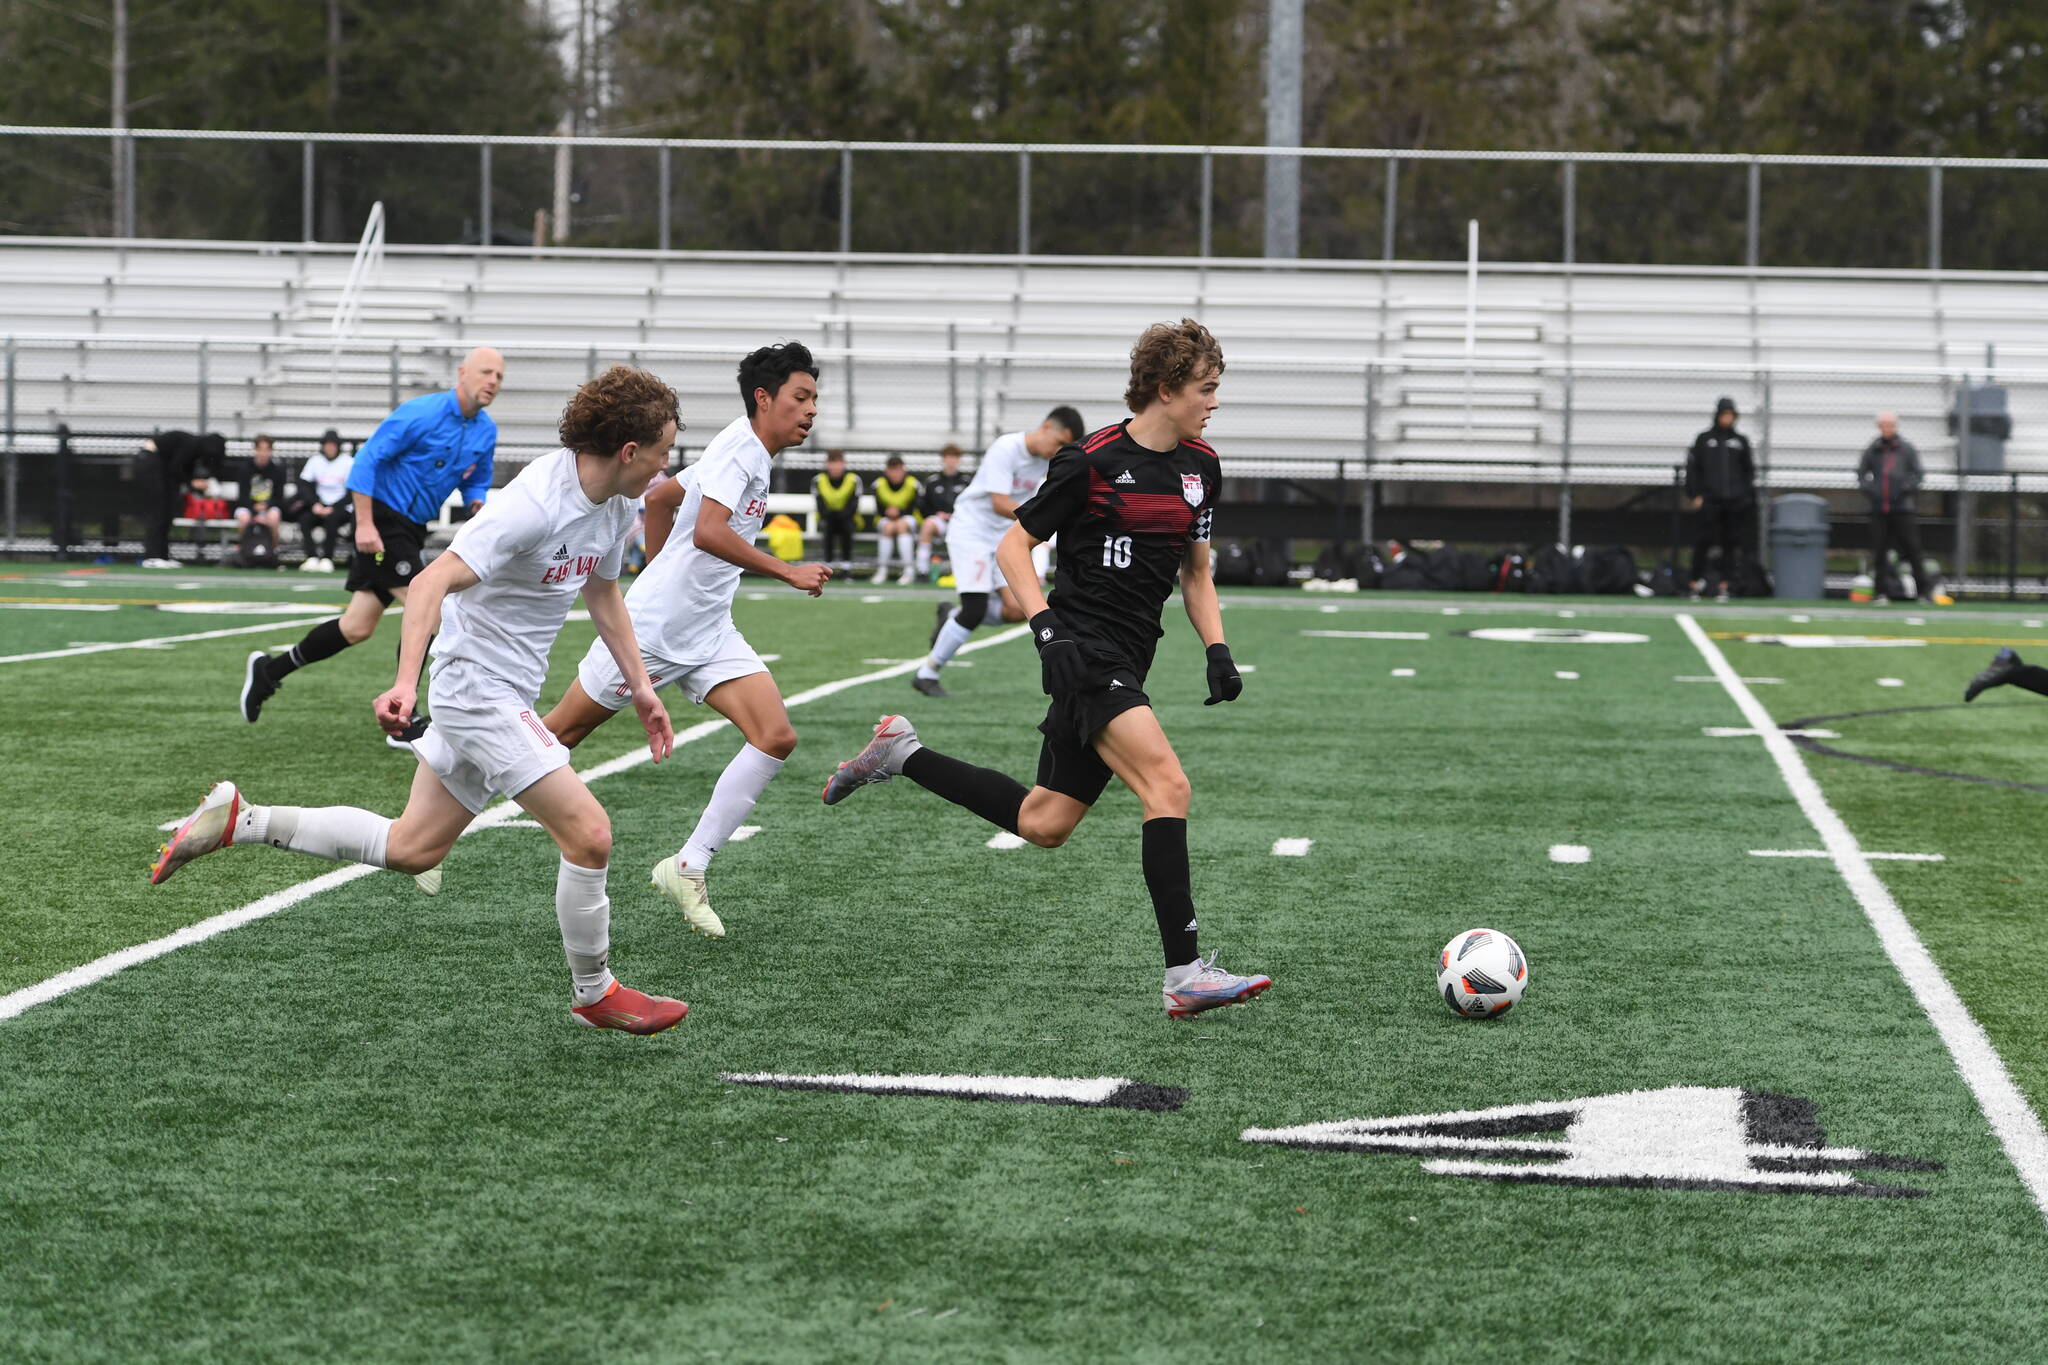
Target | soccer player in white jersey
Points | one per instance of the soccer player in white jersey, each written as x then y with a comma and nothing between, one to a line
700,535
498,597
1009,474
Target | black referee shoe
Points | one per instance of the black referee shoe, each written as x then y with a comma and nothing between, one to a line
257,685
405,738
2003,665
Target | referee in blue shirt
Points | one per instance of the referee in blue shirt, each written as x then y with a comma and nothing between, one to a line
425,450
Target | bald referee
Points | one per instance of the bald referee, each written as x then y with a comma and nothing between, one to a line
426,449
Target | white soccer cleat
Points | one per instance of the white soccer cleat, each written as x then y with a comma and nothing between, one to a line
1202,985
210,827
428,881
895,740
685,886
907,577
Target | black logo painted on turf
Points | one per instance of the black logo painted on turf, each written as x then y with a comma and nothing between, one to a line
1678,1138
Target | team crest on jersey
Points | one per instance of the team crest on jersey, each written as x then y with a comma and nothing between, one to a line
1191,489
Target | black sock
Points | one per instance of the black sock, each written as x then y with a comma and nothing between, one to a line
2032,677
323,641
1166,877
995,797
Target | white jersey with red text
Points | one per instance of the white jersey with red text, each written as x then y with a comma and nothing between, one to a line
1009,468
531,547
682,600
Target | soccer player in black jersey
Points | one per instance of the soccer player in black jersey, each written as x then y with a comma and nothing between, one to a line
1131,505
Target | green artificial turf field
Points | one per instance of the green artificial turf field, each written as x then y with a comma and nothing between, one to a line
364,1128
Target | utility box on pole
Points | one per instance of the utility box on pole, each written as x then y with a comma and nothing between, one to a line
1981,422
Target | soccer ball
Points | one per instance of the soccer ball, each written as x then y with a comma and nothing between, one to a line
1481,973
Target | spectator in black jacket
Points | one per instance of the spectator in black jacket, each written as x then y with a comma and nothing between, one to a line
263,482
1889,475
1720,482
174,463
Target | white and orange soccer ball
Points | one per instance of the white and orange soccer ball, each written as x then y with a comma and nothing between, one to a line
1481,973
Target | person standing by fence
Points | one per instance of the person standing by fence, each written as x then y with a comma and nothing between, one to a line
1889,475
1720,485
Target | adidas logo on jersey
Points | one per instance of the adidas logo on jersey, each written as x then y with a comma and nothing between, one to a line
563,553
1125,477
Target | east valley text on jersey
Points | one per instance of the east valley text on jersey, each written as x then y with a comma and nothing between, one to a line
1125,517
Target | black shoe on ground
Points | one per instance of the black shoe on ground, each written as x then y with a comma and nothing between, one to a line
929,686
2003,665
939,624
257,685
405,738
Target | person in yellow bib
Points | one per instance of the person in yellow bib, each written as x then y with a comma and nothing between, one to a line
837,490
896,494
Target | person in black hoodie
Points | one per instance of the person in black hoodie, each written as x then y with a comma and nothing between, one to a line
1720,484
174,463
1889,475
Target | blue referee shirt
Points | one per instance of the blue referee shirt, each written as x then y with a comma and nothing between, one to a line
422,452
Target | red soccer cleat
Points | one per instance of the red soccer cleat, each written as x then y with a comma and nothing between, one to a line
631,1011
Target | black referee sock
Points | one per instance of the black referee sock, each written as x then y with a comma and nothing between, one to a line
995,797
1166,877
2032,677
323,641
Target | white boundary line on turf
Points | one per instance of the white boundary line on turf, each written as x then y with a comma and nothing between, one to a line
164,641
2018,1127
77,978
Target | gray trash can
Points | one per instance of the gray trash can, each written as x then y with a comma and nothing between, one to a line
1799,545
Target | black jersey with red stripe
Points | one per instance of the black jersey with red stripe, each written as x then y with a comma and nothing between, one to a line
1125,516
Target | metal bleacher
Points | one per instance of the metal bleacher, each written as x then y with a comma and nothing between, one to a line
1604,370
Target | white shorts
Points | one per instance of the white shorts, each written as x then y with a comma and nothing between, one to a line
727,657
974,564
489,749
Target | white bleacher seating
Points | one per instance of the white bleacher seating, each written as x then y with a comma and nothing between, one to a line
114,326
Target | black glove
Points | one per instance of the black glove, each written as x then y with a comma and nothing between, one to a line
1224,682
1063,665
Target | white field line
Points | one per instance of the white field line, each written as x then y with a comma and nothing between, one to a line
1570,853
1365,634
1003,839
1292,848
1897,858
505,812
1741,732
165,641
2018,1127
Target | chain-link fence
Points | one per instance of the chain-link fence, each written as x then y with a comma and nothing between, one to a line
753,195
1486,453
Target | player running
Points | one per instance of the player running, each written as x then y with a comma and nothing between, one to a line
1009,474
681,606
1132,506
498,597
426,449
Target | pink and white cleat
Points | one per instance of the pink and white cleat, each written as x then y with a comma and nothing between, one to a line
210,827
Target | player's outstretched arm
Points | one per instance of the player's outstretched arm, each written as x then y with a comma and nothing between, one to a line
421,622
615,627
714,535
1205,614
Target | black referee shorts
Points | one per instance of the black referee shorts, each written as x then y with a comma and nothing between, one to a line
403,556
1067,761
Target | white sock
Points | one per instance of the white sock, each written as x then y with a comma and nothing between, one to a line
883,544
585,914
924,559
903,543
951,636
341,834
732,800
